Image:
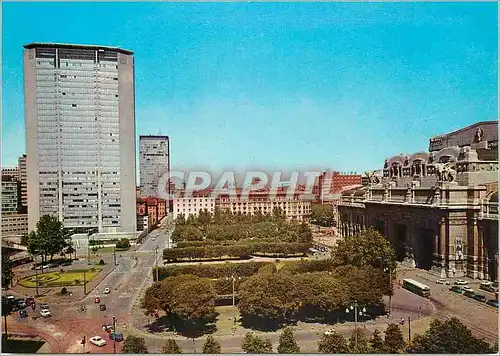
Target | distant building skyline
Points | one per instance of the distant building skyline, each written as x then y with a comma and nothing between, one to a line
279,85
154,163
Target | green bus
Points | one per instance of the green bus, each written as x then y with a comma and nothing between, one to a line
416,287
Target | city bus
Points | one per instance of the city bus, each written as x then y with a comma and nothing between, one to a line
416,287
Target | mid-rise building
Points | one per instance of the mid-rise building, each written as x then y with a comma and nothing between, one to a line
10,173
11,191
154,163
191,205
331,184
80,136
24,187
294,207
155,210
14,225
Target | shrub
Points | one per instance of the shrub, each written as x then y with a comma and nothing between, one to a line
101,262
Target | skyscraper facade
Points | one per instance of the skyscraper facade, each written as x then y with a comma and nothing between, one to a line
154,162
80,136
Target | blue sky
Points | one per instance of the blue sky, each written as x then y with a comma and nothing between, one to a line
237,85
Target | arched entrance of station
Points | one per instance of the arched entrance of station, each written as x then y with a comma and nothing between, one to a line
424,248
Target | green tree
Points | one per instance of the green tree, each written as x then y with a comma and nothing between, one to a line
448,337
7,274
49,238
171,347
304,233
358,342
211,346
123,243
187,299
369,248
287,343
253,344
269,296
134,345
377,343
394,341
322,215
333,344
6,310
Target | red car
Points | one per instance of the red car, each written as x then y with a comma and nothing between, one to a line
97,300
29,301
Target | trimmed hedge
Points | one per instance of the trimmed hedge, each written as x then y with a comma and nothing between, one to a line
213,271
276,249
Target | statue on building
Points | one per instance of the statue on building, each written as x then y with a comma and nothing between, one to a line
386,163
374,177
445,173
406,161
432,157
479,135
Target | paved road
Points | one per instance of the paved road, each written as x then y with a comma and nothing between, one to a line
68,324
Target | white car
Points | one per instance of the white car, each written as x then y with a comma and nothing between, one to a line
330,332
45,313
107,290
486,283
467,289
443,281
97,341
460,282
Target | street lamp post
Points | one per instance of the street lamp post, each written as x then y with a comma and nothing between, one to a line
89,232
389,269
156,263
114,254
233,279
36,275
114,336
361,313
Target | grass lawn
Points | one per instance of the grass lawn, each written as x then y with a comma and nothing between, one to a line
57,279
22,346
225,319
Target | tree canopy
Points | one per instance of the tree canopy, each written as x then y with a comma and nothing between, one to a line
134,345
368,248
448,337
322,214
171,347
333,343
287,343
393,341
7,274
211,346
49,238
253,344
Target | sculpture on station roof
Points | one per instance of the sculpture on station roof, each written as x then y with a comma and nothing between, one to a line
374,177
479,135
445,172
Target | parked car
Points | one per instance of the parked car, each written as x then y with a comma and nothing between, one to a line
467,289
102,307
486,283
46,266
21,304
493,303
44,306
10,298
456,289
107,327
480,298
107,290
97,300
495,284
45,313
487,287
443,281
98,341
116,337
23,313
329,332
30,301
470,294
461,282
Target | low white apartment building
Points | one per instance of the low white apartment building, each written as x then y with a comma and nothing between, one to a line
192,205
14,224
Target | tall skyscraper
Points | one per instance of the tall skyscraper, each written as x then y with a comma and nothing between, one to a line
80,135
154,162
23,179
